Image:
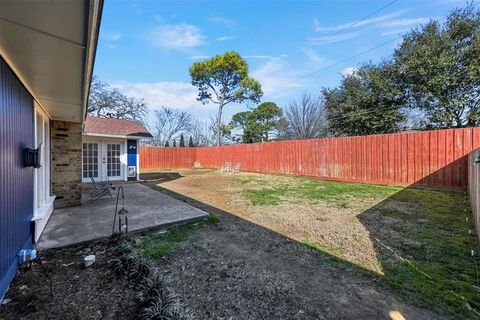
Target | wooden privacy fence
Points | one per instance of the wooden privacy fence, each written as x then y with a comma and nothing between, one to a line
426,158
160,157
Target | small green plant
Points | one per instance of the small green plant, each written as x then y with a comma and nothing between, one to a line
310,244
213,219
154,299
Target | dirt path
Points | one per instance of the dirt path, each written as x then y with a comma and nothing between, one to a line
241,270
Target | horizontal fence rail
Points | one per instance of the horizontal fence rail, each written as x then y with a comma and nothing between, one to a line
435,158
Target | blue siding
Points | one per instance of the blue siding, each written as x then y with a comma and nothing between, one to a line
132,152
16,182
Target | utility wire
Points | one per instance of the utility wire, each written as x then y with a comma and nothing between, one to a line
366,112
346,59
358,54
364,18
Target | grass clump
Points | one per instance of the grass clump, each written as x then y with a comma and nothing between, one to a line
159,245
212,219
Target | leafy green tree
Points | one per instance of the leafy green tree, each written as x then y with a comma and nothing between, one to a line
174,143
182,141
190,142
369,101
263,120
224,79
258,123
239,120
167,144
439,66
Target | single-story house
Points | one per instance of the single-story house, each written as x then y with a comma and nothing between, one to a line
47,52
110,149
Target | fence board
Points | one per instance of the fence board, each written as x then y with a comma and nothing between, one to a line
426,158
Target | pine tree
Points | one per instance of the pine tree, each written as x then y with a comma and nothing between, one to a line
190,142
167,144
182,141
174,143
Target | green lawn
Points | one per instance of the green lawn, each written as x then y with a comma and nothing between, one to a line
416,242
421,236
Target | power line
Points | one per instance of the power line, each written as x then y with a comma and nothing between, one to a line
364,18
365,112
358,54
344,60
351,57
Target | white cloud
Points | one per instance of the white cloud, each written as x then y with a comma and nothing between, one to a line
354,24
406,22
199,57
225,38
348,71
332,39
315,59
111,36
258,56
276,76
179,95
223,21
181,36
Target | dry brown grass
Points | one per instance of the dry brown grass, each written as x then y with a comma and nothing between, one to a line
331,227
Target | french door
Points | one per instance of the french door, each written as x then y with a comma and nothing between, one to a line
102,161
91,164
111,160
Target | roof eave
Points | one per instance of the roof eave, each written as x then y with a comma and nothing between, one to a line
105,135
95,17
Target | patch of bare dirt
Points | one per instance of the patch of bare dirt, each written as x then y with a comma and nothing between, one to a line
57,286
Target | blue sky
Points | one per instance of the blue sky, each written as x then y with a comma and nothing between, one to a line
146,47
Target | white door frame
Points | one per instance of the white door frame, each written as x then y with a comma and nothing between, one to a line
42,197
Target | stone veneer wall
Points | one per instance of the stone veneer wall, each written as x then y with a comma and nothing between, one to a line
66,163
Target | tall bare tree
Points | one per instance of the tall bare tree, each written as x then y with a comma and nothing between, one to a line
306,117
169,123
104,101
202,132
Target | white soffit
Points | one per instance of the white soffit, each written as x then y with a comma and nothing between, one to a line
50,45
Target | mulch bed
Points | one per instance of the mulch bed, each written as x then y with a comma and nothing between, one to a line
58,286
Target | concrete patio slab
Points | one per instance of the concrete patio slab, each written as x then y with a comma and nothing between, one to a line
146,208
